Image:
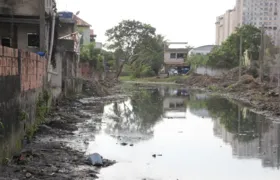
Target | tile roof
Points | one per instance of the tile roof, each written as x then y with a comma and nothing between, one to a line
80,22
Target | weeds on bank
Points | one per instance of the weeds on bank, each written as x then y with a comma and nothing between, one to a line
42,108
1,125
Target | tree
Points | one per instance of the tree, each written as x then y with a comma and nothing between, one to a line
197,60
126,37
90,54
150,57
227,55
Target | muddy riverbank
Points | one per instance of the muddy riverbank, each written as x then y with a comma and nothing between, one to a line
57,151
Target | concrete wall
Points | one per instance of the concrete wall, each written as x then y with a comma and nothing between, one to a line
23,30
22,7
86,34
56,79
210,71
65,29
21,80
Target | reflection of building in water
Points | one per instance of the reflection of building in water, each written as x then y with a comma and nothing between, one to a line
174,103
174,107
264,147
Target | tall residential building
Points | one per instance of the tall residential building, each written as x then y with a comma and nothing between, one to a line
225,25
255,12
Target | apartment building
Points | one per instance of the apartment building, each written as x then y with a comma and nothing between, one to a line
225,25
255,12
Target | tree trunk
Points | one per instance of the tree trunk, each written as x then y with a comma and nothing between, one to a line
120,70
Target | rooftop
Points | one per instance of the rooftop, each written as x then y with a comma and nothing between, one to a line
80,22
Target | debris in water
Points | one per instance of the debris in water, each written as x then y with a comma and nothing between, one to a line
123,144
95,159
154,155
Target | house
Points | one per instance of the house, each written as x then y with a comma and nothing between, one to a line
84,28
67,25
202,50
26,24
175,57
92,36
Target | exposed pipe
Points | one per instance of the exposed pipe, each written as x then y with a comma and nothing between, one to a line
51,48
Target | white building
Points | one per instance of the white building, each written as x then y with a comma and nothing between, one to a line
255,12
203,50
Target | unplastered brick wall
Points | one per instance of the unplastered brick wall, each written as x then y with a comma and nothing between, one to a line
33,70
8,61
32,66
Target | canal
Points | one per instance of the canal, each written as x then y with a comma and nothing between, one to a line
168,133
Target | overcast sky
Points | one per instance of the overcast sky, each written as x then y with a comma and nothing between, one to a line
190,21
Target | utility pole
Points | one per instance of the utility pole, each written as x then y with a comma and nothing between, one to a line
240,57
261,54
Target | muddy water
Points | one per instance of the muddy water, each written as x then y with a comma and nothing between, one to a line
168,134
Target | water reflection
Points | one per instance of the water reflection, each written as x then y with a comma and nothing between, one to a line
136,115
250,135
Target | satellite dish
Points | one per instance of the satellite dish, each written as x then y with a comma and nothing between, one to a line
77,13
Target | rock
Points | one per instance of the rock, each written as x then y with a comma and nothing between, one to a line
123,144
131,145
95,159
28,175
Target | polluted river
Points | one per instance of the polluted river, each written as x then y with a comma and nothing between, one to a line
171,133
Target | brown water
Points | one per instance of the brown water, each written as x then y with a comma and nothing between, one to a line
199,138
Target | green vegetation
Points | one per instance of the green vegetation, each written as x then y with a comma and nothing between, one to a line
95,56
137,46
23,116
1,124
227,55
197,60
42,108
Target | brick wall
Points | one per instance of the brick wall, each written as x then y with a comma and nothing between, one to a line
86,70
33,70
33,67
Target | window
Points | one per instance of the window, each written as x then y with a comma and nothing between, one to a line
33,40
6,41
172,55
180,55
